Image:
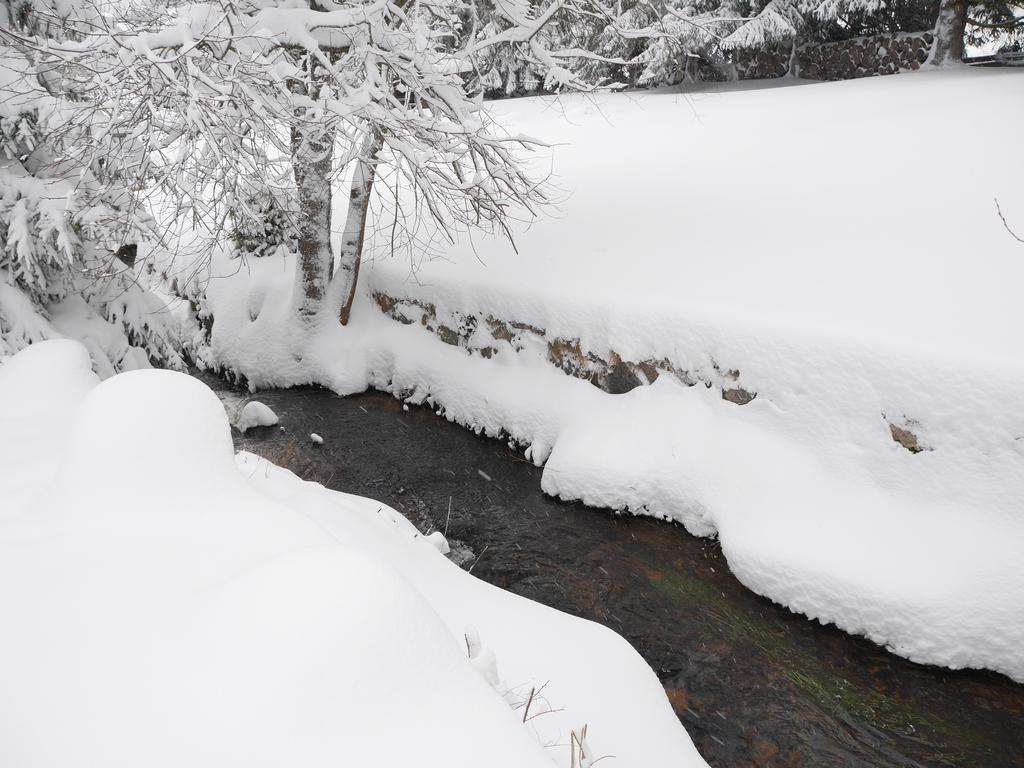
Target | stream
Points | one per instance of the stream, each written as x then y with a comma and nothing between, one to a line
754,684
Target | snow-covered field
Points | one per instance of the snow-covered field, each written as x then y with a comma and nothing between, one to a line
164,602
834,243
810,212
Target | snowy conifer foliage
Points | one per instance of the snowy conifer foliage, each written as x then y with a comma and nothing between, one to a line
69,231
521,68
665,41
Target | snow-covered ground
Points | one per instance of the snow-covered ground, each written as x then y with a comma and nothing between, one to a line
834,212
838,245
164,602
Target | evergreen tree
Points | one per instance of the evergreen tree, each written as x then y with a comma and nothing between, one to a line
998,23
69,227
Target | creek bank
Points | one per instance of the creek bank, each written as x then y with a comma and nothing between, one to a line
753,683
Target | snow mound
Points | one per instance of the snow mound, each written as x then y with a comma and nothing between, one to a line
142,430
255,414
162,601
438,540
45,380
42,387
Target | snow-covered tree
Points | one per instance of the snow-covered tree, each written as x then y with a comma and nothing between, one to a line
768,24
221,96
516,69
997,23
980,22
664,39
504,70
954,22
68,227
784,22
949,32
683,34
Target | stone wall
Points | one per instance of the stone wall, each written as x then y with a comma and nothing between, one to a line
763,64
485,335
864,56
843,60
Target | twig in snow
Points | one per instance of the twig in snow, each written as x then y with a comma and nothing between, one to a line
578,744
529,701
536,695
478,558
1006,224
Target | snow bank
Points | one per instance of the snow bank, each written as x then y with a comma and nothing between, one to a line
162,601
690,221
820,240
118,335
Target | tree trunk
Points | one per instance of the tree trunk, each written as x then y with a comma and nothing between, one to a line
312,155
343,284
949,33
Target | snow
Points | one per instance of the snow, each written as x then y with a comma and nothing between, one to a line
438,540
107,339
107,343
20,322
838,256
828,210
163,601
255,414
22,92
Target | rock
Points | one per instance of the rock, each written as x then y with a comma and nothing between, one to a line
567,355
906,438
255,414
447,335
620,379
649,371
738,395
499,330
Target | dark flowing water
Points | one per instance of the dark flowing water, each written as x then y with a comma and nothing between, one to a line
754,684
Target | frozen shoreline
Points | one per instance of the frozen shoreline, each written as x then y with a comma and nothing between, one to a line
817,505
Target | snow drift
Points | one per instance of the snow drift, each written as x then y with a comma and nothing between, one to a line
164,602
